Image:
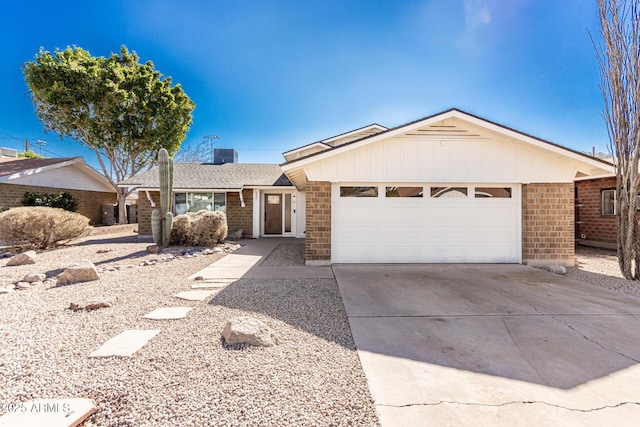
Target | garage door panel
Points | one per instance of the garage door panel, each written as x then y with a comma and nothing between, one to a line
423,230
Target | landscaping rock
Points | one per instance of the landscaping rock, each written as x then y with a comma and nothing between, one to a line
558,269
6,255
23,285
83,271
6,290
34,278
235,235
24,258
154,249
247,330
96,303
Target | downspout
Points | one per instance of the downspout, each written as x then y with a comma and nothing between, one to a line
241,199
153,204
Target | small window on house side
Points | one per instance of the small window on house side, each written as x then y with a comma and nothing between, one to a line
404,192
449,192
493,192
608,202
358,191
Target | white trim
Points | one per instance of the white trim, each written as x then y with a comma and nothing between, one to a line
355,132
306,147
261,214
256,214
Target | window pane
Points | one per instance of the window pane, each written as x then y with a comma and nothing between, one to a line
404,192
449,192
181,203
500,193
358,191
200,201
273,199
287,213
220,202
608,204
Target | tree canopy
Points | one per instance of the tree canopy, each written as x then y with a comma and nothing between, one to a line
124,110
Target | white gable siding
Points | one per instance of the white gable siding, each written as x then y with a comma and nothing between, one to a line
416,159
71,177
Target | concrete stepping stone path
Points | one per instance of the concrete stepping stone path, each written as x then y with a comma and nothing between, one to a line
125,344
219,283
195,295
168,313
48,412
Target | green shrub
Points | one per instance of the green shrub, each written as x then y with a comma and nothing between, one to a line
202,228
40,227
62,200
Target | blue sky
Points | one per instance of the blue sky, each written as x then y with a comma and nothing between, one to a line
267,76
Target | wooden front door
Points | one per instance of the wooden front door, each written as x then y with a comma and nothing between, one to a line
273,214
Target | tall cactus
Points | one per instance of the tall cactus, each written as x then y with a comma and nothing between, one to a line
162,219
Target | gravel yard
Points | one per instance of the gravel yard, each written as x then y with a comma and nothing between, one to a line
185,375
600,267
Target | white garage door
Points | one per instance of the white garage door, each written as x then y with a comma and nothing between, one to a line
435,223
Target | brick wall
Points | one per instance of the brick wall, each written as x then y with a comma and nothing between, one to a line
144,211
547,224
89,202
239,217
318,222
590,220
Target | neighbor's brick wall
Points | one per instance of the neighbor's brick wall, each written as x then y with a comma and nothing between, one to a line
239,217
144,211
89,202
318,222
547,224
590,220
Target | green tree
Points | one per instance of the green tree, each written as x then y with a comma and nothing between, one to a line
123,110
29,155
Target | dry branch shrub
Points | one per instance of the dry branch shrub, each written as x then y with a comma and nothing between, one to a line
202,228
38,227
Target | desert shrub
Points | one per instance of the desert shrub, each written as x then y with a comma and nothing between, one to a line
62,200
202,228
40,227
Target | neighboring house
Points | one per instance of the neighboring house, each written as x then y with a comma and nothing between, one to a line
256,198
90,188
451,187
596,209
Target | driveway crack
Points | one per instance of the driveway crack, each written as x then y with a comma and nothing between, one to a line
604,347
515,402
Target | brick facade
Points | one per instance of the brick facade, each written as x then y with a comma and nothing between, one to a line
318,223
547,224
89,202
589,218
237,216
144,211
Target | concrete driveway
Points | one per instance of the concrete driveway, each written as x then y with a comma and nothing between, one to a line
493,345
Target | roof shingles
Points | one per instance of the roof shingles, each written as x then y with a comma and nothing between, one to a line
207,176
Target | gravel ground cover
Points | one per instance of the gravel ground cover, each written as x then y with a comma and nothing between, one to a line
185,376
285,255
600,267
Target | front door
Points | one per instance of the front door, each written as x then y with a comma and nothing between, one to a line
273,214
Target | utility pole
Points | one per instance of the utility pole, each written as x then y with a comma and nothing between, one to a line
26,145
211,138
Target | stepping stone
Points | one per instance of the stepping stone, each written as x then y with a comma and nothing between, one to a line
194,295
167,313
48,412
207,284
126,344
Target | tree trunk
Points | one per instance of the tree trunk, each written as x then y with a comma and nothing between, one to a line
122,205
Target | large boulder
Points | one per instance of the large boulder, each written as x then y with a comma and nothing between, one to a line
24,258
82,271
247,330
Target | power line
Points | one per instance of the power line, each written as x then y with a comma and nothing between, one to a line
24,139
